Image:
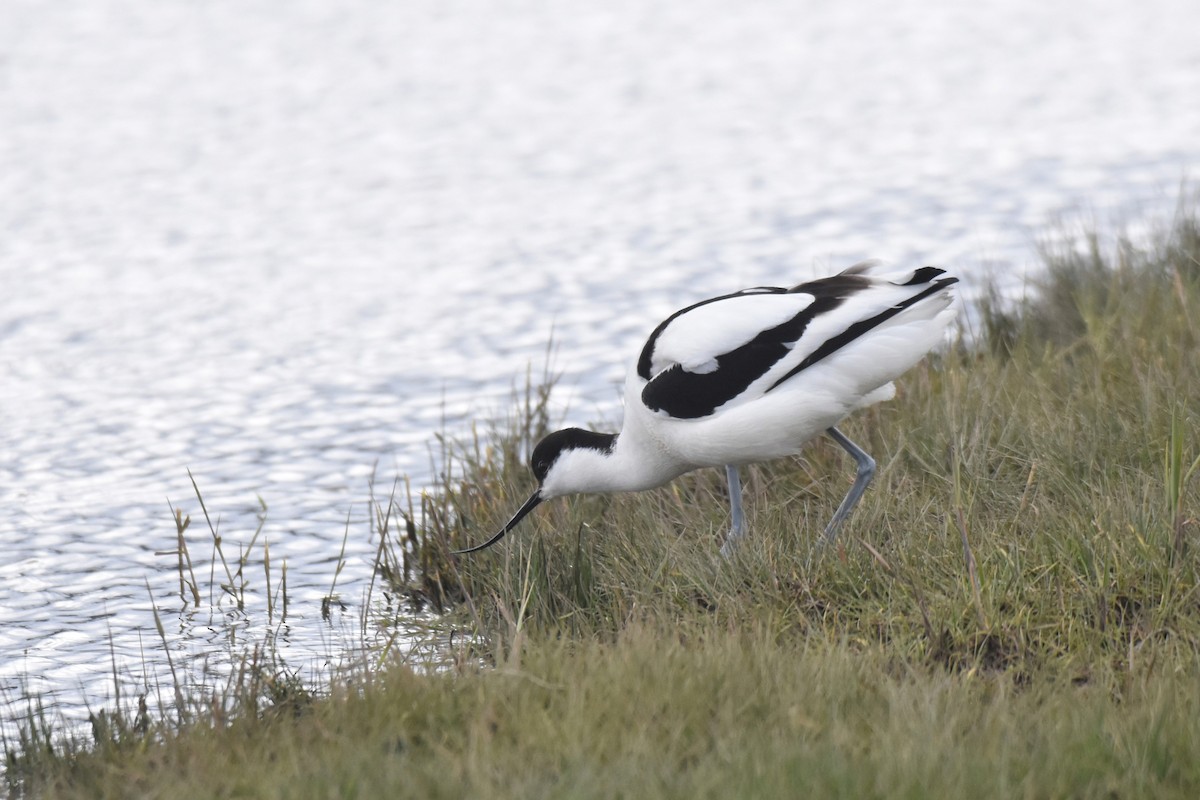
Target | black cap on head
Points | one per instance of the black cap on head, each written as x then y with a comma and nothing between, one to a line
541,460
549,448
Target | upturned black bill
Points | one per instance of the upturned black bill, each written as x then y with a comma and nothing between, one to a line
530,505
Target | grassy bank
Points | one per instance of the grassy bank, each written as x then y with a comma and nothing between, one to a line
723,713
1012,611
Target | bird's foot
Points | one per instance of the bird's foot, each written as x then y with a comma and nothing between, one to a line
731,543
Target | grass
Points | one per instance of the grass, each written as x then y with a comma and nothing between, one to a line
1013,610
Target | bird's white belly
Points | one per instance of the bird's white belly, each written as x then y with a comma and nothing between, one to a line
773,426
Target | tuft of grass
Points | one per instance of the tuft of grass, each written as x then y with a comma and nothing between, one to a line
247,677
1013,610
652,714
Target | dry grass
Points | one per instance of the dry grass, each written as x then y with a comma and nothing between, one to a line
1013,610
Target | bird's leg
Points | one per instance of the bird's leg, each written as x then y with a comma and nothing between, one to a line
738,525
866,471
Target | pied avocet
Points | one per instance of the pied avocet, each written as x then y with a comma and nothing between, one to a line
751,376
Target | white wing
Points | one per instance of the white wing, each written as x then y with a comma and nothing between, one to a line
734,349
694,337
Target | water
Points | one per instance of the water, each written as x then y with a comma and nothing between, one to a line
280,246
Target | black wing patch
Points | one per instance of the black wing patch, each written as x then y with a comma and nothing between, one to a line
691,395
646,359
852,332
840,286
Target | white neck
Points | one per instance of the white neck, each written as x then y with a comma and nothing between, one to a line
635,463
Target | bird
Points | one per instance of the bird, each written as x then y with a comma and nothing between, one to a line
752,376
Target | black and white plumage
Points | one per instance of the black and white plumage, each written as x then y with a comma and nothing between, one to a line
751,376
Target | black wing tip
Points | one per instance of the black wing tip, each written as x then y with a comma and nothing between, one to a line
835,288
935,275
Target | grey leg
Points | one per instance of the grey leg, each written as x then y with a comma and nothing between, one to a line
738,525
866,471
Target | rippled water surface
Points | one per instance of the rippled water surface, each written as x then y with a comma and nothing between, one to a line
279,244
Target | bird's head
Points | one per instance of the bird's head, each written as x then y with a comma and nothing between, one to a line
564,462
